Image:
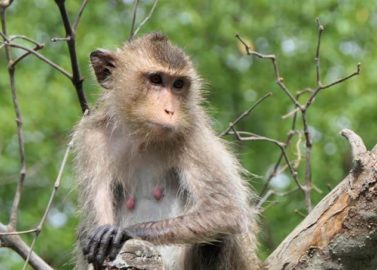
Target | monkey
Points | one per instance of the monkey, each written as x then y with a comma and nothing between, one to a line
150,166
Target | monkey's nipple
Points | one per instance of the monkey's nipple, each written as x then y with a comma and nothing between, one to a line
158,193
131,202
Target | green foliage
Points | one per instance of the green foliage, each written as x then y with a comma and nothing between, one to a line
205,29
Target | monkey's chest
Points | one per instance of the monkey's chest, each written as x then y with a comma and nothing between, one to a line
151,196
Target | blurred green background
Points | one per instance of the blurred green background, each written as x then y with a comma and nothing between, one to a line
205,29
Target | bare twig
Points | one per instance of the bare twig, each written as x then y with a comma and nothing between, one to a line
18,232
320,88
304,109
43,58
273,173
18,59
52,196
76,79
308,185
317,59
255,137
15,37
146,18
270,192
242,115
77,20
272,57
20,132
134,13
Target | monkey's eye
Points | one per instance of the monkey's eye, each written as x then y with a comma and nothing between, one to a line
179,83
155,78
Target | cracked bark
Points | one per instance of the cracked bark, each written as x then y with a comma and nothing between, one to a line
137,254
341,231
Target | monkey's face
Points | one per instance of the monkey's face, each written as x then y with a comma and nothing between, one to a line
153,86
158,104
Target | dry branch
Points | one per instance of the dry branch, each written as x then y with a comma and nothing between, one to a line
341,231
15,243
70,31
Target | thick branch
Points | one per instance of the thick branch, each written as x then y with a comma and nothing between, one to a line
341,231
77,80
15,243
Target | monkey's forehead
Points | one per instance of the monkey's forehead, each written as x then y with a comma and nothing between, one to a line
157,48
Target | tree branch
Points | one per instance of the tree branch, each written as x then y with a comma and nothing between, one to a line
19,122
244,114
43,58
81,11
76,79
52,196
146,18
15,243
134,13
272,57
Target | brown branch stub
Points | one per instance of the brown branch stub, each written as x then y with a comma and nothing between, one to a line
357,144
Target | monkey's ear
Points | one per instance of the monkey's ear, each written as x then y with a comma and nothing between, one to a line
103,63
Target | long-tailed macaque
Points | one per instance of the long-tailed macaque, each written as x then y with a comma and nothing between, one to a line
150,167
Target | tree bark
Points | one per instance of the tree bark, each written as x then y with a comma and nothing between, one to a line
341,231
137,255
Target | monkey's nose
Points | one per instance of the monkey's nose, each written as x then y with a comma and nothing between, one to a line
170,113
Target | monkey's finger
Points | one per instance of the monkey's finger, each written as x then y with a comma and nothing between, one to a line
90,238
104,245
117,244
95,242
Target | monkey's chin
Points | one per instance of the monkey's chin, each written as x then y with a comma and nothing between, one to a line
161,131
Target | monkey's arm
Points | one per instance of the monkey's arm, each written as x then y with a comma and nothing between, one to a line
94,181
198,227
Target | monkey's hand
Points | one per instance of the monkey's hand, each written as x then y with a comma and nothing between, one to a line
105,241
